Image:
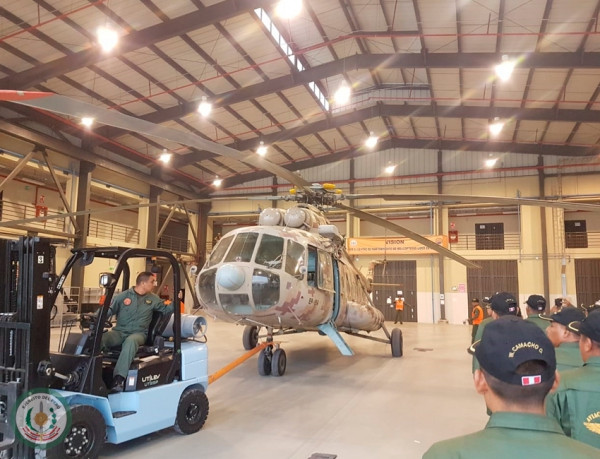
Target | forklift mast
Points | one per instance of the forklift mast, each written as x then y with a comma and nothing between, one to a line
26,285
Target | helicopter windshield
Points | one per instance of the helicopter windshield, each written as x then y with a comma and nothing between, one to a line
242,247
294,259
219,251
270,251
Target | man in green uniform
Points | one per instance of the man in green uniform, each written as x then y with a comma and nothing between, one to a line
133,308
565,341
518,369
576,403
536,304
501,304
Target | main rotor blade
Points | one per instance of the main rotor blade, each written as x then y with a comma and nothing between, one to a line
67,106
482,199
408,233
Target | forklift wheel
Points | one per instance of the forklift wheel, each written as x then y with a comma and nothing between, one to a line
86,436
191,412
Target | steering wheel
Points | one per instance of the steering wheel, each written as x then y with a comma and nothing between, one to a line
90,320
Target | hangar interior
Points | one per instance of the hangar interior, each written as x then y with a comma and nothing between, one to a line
445,100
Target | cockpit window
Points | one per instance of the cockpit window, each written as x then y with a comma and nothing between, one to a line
242,247
219,251
294,259
270,251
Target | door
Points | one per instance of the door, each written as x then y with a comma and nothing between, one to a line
390,278
489,236
587,281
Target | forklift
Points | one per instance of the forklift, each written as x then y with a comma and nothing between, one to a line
167,380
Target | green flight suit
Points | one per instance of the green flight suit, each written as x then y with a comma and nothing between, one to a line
576,403
513,435
478,335
568,356
134,314
535,318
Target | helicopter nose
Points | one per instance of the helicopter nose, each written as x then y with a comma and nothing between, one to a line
230,277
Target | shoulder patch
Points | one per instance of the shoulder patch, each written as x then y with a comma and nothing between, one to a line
127,301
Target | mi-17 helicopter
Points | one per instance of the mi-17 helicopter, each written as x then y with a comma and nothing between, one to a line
290,273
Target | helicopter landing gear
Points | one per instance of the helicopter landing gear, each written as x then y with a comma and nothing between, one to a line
396,342
250,337
272,359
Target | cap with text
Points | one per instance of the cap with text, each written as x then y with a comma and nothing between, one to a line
504,303
510,341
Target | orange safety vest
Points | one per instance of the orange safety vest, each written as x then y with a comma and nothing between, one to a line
477,315
399,305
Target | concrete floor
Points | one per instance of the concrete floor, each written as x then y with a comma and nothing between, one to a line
366,406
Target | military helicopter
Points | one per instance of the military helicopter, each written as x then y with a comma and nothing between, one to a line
291,273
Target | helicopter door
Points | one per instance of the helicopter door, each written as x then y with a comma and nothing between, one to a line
337,288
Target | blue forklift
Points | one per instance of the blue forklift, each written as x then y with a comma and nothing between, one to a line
167,381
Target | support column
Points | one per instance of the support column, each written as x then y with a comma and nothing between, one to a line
542,210
83,221
440,230
203,210
153,217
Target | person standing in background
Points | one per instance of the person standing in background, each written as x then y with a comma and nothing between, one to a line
536,304
399,310
477,317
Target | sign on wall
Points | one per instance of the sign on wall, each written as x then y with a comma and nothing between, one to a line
391,245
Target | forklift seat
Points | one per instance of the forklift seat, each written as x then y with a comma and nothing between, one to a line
157,326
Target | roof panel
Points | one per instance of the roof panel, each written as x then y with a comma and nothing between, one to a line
545,88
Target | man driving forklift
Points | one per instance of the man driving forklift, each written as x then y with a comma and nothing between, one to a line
133,308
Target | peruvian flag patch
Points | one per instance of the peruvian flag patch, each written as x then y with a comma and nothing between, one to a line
531,380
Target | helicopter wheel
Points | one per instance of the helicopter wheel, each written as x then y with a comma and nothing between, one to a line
396,342
250,337
264,361
278,362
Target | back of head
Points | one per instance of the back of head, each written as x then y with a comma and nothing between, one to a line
517,359
504,303
536,303
590,327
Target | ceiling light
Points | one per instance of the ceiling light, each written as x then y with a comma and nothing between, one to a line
342,95
491,162
165,156
217,181
87,121
107,38
371,141
389,169
262,149
205,107
505,69
496,127
288,9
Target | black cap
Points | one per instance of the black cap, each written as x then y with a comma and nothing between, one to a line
566,316
504,303
475,300
507,343
537,302
593,307
590,326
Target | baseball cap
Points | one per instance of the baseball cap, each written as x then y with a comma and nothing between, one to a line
566,316
537,302
475,300
507,343
504,303
590,326
593,307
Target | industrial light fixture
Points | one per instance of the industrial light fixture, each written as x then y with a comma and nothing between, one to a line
262,149
371,141
107,38
496,127
165,156
217,181
205,107
342,95
87,121
490,162
288,9
505,69
390,168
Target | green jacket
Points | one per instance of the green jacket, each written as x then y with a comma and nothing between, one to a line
576,403
568,356
543,324
478,335
134,312
513,435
